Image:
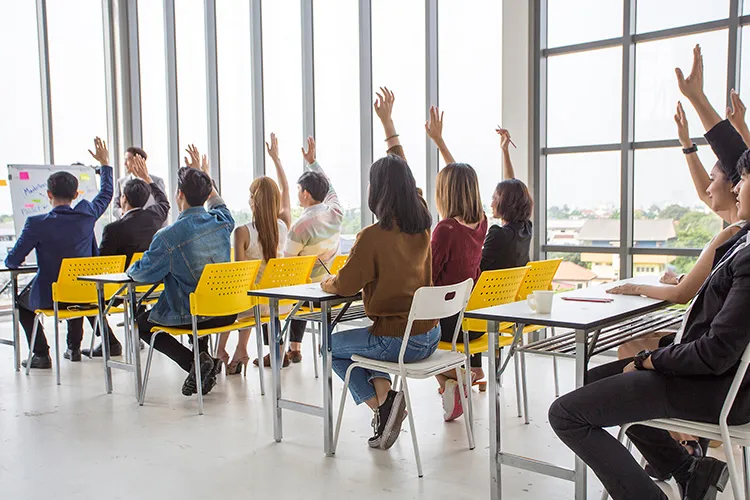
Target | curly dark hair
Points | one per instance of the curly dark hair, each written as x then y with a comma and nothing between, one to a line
512,201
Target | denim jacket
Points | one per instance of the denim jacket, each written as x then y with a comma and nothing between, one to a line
178,254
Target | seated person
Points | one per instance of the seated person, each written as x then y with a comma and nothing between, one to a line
131,154
176,257
63,232
389,261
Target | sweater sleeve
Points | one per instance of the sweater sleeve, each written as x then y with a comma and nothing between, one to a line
728,146
359,269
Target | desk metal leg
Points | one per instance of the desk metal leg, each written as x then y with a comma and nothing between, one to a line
325,335
16,326
274,340
105,338
135,342
495,429
581,364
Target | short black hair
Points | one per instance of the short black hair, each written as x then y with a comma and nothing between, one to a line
63,185
743,164
195,185
514,202
394,197
314,183
135,150
137,192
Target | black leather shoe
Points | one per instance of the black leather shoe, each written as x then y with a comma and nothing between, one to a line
190,386
708,477
73,355
115,349
40,362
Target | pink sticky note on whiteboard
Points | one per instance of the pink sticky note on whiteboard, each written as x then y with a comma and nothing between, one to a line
29,205
24,176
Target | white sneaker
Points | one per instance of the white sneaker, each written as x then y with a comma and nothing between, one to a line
452,408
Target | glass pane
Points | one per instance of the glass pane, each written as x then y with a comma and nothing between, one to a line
744,62
469,93
337,104
578,21
573,273
657,265
591,216
191,74
668,211
398,62
282,86
653,15
582,86
656,92
76,53
154,89
235,104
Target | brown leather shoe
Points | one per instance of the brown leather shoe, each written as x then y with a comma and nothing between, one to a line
294,356
267,361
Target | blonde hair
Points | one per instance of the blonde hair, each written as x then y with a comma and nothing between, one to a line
457,193
265,202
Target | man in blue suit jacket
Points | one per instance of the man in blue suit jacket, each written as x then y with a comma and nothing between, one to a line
64,232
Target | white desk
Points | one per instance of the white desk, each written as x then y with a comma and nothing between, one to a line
584,318
16,341
304,293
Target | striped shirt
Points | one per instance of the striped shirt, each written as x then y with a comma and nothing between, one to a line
318,230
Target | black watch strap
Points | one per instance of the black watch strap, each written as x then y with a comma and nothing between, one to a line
691,149
640,358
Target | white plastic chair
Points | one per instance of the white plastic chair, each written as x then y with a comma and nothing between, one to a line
428,303
729,434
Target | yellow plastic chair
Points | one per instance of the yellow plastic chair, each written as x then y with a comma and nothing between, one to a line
338,263
221,291
68,289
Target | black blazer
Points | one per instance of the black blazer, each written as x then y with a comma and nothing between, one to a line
135,230
506,246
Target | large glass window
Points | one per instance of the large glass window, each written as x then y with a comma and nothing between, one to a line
578,21
652,15
337,114
235,103
192,106
398,62
469,92
77,78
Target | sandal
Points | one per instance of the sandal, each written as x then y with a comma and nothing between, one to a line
267,361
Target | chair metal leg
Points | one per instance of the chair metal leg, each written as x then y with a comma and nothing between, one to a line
411,426
746,470
37,321
197,361
341,406
500,378
524,390
142,397
259,348
517,367
314,337
464,395
91,346
554,370
734,477
57,344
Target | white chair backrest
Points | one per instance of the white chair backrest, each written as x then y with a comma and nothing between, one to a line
739,377
437,302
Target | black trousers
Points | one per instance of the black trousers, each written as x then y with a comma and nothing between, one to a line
447,327
173,348
297,328
26,317
612,398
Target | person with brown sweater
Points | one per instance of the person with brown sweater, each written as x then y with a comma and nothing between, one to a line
389,261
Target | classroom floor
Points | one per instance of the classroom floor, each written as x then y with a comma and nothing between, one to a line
76,442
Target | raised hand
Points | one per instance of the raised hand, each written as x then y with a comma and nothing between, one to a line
140,170
736,113
100,153
193,160
683,132
204,165
692,86
384,104
434,126
505,141
273,147
309,155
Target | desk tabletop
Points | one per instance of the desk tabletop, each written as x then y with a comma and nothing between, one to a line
19,270
116,278
577,315
306,292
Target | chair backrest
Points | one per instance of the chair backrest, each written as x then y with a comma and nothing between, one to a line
494,288
437,302
222,289
338,263
540,276
144,288
68,288
286,271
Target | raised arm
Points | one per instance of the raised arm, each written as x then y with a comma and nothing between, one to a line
508,172
384,109
736,116
692,88
698,173
161,207
286,205
193,160
434,129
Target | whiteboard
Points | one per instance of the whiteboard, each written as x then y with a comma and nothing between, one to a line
28,192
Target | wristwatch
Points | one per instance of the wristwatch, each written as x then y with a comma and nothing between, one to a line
691,149
640,358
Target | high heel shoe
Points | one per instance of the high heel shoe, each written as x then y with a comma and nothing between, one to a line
224,360
238,366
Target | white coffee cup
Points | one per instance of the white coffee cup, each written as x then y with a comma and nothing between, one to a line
540,301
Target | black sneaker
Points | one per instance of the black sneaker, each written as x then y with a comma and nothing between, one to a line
73,355
386,422
190,386
708,477
115,349
40,362
210,382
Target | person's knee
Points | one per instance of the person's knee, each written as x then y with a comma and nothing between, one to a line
561,419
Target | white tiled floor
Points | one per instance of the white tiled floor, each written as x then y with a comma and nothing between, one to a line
77,442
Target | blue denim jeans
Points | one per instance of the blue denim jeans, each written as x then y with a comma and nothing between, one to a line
359,341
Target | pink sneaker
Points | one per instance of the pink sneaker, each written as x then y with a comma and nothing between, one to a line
452,408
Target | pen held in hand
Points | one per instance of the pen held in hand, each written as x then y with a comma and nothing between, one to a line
509,139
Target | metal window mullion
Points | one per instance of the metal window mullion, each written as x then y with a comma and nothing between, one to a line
44,78
539,134
432,97
256,62
735,47
170,58
365,108
131,81
212,91
109,23
308,71
627,167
